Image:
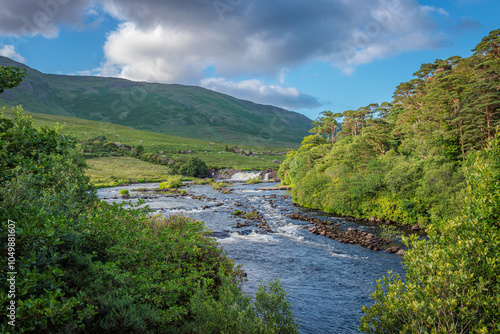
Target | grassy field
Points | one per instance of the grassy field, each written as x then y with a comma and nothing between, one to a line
107,172
178,110
213,153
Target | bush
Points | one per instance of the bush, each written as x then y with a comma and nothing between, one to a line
124,193
234,312
194,167
84,266
451,283
45,192
203,181
252,215
218,185
173,181
253,180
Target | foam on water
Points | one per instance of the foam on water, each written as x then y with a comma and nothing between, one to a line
250,191
243,176
252,237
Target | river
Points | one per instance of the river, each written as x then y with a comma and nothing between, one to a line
327,282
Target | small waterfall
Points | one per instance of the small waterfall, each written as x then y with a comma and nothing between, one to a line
243,176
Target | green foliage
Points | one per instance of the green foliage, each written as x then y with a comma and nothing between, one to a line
451,283
327,125
253,180
10,77
84,266
403,160
44,190
218,185
194,167
237,212
203,181
122,315
172,181
234,312
251,215
125,193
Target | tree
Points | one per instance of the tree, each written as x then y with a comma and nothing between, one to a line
378,135
193,167
452,279
356,120
326,125
489,45
10,77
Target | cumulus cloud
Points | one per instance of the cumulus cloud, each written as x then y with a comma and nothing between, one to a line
256,90
10,52
43,17
176,40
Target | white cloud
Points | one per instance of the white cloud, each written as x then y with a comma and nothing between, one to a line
154,55
176,41
258,91
440,11
10,52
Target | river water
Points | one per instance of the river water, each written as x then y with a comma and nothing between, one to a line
327,282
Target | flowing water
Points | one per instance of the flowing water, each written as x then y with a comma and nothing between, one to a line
327,282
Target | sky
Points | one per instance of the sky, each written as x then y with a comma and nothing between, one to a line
301,55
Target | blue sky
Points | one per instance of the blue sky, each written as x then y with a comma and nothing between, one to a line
302,55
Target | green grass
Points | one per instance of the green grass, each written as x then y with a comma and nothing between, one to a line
212,153
173,181
178,110
253,180
108,172
219,185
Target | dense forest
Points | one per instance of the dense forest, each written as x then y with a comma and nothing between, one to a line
431,157
75,264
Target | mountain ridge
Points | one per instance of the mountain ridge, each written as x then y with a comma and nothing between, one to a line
174,109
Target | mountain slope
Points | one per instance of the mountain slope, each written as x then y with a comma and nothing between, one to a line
186,111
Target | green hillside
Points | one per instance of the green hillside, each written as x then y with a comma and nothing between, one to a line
185,111
215,154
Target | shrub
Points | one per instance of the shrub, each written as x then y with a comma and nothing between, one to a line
253,180
85,266
451,283
172,181
124,193
45,191
252,215
194,167
235,312
218,185
203,181
237,213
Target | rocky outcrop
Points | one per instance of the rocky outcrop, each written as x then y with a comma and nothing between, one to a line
351,236
222,174
256,218
269,175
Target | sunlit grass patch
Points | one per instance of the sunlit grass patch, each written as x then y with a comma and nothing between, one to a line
116,170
